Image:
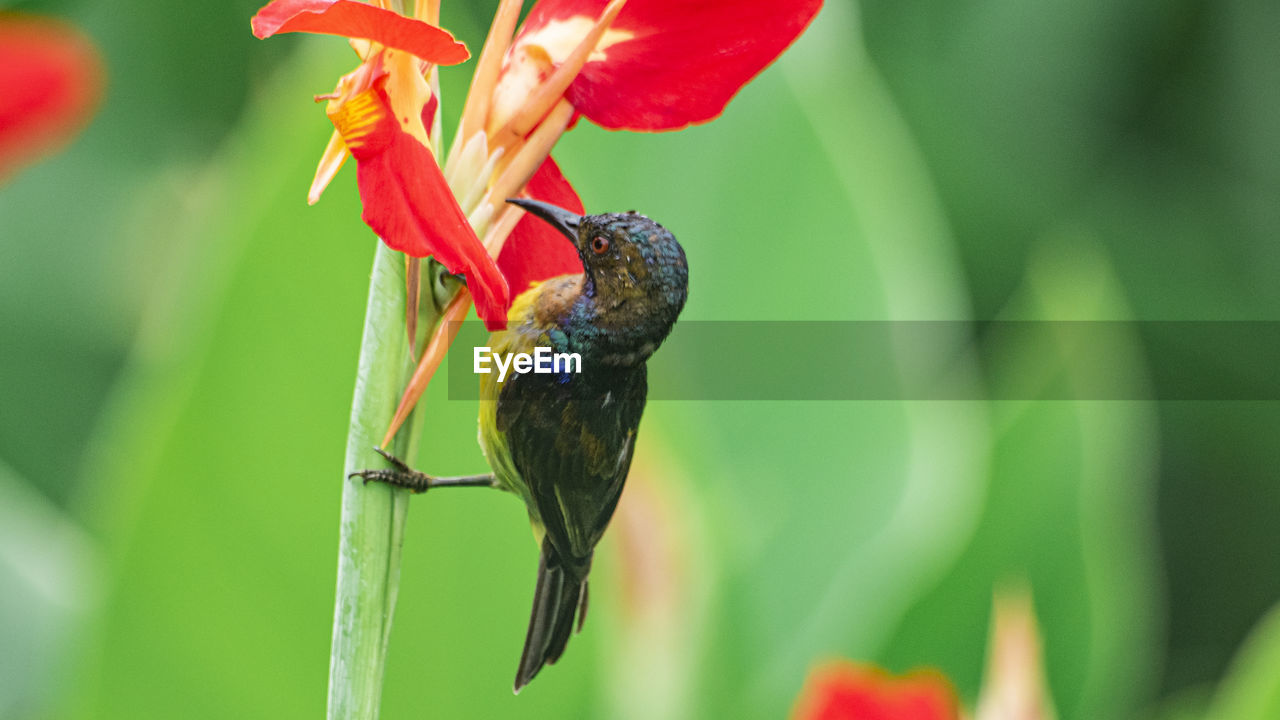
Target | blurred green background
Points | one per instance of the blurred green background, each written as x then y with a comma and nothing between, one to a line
179,338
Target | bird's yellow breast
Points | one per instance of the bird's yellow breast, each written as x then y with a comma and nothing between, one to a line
532,313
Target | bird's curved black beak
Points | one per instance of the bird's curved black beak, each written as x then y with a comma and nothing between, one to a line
557,217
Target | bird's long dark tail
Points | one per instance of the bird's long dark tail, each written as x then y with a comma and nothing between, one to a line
560,595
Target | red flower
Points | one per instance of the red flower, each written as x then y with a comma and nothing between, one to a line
378,111
50,81
848,691
662,64
640,65
347,18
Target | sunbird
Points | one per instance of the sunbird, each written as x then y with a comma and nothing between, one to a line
563,442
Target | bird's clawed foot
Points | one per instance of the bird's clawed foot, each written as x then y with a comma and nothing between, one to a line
401,476
406,477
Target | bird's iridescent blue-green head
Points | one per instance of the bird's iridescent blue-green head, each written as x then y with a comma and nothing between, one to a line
635,269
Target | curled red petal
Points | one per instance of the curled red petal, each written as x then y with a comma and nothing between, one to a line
535,251
50,82
671,63
408,203
360,20
848,691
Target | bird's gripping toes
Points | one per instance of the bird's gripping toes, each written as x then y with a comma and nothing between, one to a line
563,442
404,476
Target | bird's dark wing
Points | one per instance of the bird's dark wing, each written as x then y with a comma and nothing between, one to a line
571,438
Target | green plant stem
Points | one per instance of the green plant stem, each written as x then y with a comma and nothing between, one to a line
373,516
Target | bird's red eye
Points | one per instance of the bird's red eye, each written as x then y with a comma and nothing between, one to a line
599,245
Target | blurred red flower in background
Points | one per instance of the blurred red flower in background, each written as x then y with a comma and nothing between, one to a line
51,78
1013,686
842,690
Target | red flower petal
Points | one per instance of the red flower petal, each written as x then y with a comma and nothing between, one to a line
408,203
359,20
672,63
535,251
50,81
429,113
847,691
